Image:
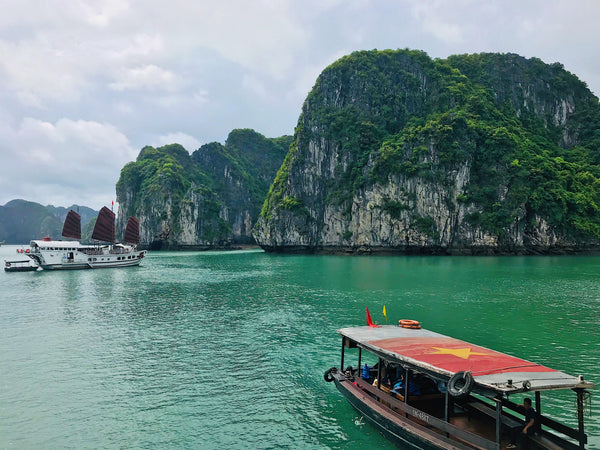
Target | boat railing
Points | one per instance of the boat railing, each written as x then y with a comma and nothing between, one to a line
91,251
396,405
509,421
119,252
553,425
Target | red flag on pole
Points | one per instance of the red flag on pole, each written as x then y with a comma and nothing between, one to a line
369,321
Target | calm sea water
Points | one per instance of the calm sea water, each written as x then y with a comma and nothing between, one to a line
228,349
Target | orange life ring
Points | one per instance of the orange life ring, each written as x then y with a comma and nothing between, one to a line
406,323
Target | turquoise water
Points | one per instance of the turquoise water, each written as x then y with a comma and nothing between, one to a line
228,349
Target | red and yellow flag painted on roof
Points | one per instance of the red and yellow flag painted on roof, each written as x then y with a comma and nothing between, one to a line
455,355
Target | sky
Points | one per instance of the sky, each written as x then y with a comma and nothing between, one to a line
86,84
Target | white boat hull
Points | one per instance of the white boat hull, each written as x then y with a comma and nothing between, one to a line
70,255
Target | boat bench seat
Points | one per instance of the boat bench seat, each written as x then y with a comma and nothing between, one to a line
507,422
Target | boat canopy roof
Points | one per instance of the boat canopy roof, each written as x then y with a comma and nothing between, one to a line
441,355
56,244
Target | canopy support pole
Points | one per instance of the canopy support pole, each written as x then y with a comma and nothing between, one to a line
498,420
447,409
538,406
406,381
582,437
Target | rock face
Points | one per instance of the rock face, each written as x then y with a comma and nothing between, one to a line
210,199
476,154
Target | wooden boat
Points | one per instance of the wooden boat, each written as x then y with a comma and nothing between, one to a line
19,266
455,395
56,254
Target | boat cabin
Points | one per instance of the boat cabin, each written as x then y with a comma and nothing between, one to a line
424,389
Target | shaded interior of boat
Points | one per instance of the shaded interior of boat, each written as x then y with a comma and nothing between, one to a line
392,394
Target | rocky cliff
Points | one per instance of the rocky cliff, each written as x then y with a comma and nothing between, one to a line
208,199
397,152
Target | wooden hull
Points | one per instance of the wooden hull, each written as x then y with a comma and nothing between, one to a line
397,428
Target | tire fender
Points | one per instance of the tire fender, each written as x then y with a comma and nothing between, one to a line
461,384
328,374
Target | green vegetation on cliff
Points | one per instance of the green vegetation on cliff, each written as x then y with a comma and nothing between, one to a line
527,132
215,187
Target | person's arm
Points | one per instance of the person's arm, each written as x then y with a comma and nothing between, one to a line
529,425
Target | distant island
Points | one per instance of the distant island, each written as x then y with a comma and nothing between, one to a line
21,221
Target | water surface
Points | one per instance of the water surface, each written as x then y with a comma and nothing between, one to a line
228,349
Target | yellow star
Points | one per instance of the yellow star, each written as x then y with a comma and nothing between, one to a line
463,353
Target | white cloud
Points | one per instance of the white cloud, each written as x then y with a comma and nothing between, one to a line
101,13
68,159
70,69
150,77
434,19
190,143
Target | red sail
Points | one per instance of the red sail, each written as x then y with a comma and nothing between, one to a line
132,231
72,226
104,230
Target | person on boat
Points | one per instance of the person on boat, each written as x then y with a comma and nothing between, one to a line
413,388
528,429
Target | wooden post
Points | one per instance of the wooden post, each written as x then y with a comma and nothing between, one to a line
379,373
342,362
359,362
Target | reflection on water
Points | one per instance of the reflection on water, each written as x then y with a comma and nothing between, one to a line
228,349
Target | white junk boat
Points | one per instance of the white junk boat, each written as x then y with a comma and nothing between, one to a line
50,255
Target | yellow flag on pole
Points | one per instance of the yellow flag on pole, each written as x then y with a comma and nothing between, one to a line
385,313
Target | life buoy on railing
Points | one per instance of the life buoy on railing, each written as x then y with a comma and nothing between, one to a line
328,374
461,384
27,251
406,323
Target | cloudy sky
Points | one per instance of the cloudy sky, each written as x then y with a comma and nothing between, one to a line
85,84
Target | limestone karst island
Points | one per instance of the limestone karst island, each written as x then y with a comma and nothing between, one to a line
393,152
